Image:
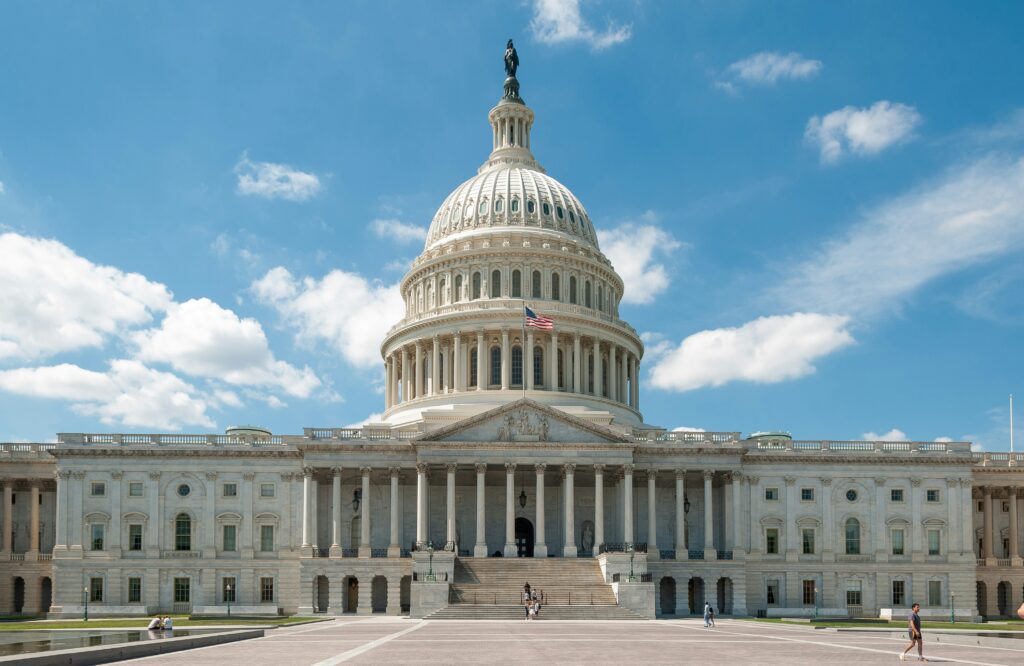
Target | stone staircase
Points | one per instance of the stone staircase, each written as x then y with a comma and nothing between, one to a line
491,589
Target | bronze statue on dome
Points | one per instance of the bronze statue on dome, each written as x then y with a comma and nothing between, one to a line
511,60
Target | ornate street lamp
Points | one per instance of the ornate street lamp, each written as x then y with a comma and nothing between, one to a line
686,504
522,499
228,589
85,593
430,552
952,608
632,554
356,497
815,602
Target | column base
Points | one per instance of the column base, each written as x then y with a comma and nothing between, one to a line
511,550
480,550
540,550
652,552
335,551
364,551
1016,562
682,554
306,550
394,551
32,556
710,554
569,551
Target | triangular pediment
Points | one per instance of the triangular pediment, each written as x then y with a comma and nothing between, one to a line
524,421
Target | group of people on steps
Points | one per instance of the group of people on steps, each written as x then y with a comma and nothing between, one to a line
532,601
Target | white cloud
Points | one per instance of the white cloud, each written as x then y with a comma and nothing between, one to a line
688,429
861,131
769,67
766,350
274,181
344,310
398,231
128,393
632,249
970,215
560,21
376,417
52,300
894,435
200,338
943,439
2,190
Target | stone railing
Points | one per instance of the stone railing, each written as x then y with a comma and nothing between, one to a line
857,446
181,554
25,450
180,440
661,437
998,459
367,433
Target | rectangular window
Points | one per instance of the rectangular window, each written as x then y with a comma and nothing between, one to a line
807,494
228,589
808,539
182,590
96,589
771,541
853,593
96,534
267,590
772,592
98,489
266,490
935,593
135,590
898,590
1006,507
771,494
230,490
267,538
809,595
932,495
229,538
896,536
896,495
934,542
135,537
981,507
135,488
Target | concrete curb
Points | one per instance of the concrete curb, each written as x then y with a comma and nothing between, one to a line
103,654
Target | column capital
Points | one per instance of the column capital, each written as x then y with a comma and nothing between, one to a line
953,483
880,481
754,480
826,481
569,468
680,473
437,338
1012,490
480,468
916,482
510,468
153,475
394,472
737,476
598,469
117,475
210,476
63,474
540,467
967,483
708,474
652,473
336,470
288,476
790,480
450,467
249,476
307,472
418,345
421,468
627,469
365,471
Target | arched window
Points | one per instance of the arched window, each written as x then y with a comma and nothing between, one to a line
558,211
604,378
586,294
517,366
476,286
517,284
430,295
442,298
495,284
472,367
538,367
561,369
515,205
572,289
546,207
531,207
496,366
498,205
183,532
556,288
536,285
600,297
482,208
457,296
590,374
853,537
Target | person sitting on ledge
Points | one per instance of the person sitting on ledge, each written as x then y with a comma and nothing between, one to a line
156,623
168,623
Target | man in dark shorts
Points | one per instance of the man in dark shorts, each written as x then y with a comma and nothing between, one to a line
914,629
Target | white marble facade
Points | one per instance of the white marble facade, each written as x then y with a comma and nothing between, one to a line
501,438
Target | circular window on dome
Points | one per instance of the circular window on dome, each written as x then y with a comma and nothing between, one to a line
558,211
184,490
851,495
531,207
546,208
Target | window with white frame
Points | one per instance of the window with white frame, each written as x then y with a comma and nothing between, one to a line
810,598
935,593
896,495
135,536
899,597
934,542
230,489
896,536
266,538
853,593
228,588
266,589
772,592
266,490
807,494
135,488
852,536
96,589
771,494
98,489
134,590
771,541
229,534
96,534
808,541
933,495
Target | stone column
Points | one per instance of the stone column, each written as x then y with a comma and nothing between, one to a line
481,381
246,538
681,552
570,515
457,373
553,362
827,520
307,508
737,523
394,547
336,550
953,507
421,505
880,529
506,364
447,370
387,383
480,548
33,541
988,534
364,521
435,367
153,522
449,520
406,377
613,380
528,360
577,362
417,390
540,546
634,386
917,545
967,515
1014,528
210,540
598,370
394,606
510,511
60,538
652,515
791,533
627,493
598,508
8,515
709,523
585,369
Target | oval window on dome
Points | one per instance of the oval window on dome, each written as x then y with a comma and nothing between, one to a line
498,205
558,211
531,207
546,208
482,209
515,205
572,217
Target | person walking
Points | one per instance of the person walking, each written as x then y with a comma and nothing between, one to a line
526,605
711,615
707,615
914,629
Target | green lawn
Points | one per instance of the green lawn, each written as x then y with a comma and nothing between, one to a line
1009,625
180,622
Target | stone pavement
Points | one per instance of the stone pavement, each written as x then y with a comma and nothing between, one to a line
384,640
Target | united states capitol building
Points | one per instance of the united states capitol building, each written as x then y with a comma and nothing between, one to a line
508,453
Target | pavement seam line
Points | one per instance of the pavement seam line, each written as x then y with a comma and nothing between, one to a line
355,652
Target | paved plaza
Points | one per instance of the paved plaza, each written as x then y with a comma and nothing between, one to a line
403,641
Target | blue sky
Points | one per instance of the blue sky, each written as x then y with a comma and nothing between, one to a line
823,203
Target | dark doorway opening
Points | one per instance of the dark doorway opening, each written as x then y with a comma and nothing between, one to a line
524,538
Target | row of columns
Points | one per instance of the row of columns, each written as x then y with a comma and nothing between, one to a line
406,377
988,527
35,487
309,512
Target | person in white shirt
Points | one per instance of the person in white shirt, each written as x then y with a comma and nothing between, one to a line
168,623
155,623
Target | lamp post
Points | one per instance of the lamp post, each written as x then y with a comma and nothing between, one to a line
430,553
228,589
952,608
815,602
632,554
85,593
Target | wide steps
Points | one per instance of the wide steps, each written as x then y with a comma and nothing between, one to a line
515,612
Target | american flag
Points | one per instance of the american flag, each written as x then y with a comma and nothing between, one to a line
537,321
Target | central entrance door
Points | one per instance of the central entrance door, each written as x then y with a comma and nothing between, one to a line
524,537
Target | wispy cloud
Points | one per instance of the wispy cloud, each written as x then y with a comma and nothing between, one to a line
861,131
766,69
268,180
398,231
894,435
635,249
560,21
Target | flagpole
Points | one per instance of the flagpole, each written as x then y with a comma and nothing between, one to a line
527,354
1011,423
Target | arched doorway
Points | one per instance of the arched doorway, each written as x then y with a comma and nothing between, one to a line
982,598
667,595
405,593
323,593
379,594
45,594
352,588
524,538
696,595
1003,598
724,597
19,595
